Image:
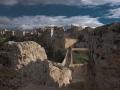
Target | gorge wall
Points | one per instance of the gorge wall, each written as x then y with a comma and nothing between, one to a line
25,63
104,58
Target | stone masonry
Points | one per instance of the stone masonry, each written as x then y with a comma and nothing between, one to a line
104,58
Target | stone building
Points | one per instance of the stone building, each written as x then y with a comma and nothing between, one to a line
38,31
9,33
28,35
76,29
63,39
58,32
70,36
58,40
49,35
2,33
73,31
19,33
85,33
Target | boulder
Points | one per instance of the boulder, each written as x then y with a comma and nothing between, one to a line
25,63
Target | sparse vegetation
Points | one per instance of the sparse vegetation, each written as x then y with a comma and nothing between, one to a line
14,38
80,38
57,56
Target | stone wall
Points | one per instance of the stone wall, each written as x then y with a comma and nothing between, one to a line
78,76
66,55
19,33
78,72
104,58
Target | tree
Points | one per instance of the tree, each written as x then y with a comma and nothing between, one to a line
80,38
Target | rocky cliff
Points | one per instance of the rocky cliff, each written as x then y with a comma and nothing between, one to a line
24,63
104,58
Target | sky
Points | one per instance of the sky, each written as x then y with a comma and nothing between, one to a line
31,14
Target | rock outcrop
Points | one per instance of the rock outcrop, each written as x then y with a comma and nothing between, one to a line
104,58
25,63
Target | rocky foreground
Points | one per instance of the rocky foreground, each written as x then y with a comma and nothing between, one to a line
41,87
23,64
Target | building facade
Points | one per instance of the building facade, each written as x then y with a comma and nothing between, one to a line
19,33
9,33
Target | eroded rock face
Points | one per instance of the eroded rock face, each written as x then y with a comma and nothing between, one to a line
21,53
23,63
104,58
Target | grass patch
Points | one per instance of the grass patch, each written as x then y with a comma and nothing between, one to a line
79,58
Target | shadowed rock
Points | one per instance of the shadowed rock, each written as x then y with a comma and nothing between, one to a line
104,58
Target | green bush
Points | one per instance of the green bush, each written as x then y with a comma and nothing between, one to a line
80,38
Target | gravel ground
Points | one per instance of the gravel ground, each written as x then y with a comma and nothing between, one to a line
40,87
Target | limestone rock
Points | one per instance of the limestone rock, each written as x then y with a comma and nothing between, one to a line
24,63
104,58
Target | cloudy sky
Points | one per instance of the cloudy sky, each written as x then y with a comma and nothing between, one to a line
30,14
